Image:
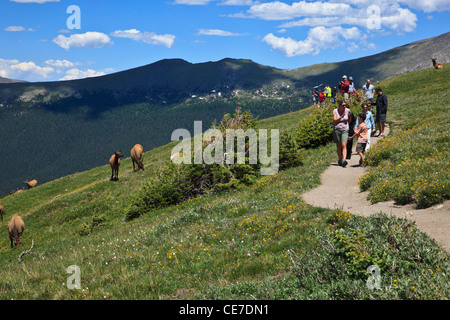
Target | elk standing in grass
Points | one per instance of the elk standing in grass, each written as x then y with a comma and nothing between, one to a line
114,162
136,157
2,212
15,228
31,184
437,65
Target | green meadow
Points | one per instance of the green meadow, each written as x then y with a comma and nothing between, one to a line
260,241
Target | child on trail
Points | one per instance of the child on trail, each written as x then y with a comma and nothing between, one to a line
362,133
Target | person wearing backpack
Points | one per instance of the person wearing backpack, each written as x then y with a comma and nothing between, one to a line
321,98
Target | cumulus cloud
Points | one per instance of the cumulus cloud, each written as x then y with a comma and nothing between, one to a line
16,69
217,32
84,40
48,70
319,38
281,11
62,64
166,40
75,73
342,13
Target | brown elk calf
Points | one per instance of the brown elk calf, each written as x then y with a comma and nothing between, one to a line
31,184
114,162
136,157
15,228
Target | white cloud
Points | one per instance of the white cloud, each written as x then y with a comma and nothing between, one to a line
34,1
319,38
281,11
84,40
342,13
15,28
75,73
47,71
192,2
16,69
166,40
217,32
238,2
63,64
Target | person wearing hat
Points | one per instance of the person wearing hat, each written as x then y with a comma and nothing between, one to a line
343,86
351,86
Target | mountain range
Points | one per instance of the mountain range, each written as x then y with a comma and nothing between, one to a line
52,129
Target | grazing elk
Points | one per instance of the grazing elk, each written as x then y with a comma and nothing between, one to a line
136,157
2,212
437,65
114,162
31,184
15,228
174,158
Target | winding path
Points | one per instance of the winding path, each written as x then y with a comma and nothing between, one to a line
339,189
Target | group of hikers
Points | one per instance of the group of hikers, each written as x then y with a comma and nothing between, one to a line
364,126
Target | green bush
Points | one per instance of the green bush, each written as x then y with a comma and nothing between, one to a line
291,154
315,130
411,264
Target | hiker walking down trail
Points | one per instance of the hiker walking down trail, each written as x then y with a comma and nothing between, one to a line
362,133
340,133
351,125
370,122
382,105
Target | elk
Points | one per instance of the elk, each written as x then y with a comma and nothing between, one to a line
31,184
175,156
2,212
16,227
437,65
136,157
114,162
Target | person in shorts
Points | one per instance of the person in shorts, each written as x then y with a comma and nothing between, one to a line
341,116
382,105
362,133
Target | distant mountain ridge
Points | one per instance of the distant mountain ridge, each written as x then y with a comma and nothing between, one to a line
52,129
7,80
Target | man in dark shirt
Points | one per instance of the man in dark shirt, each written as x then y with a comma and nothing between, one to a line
382,105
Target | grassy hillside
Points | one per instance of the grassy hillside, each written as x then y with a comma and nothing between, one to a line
260,241
52,129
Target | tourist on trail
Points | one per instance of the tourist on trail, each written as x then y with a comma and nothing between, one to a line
351,86
315,95
340,132
321,98
382,105
362,133
370,122
351,126
368,90
343,86
333,95
327,91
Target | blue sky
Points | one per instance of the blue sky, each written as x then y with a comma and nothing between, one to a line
40,41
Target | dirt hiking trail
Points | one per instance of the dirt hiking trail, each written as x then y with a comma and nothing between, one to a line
339,189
